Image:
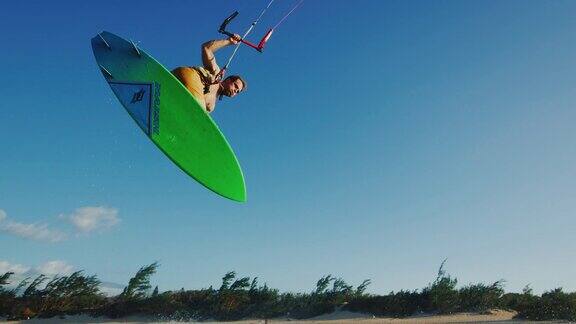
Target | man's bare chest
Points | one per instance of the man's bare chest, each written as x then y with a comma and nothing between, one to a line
210,97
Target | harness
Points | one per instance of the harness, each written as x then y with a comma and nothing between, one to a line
207,78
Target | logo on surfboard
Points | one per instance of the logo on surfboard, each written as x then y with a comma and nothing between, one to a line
142,101
138,96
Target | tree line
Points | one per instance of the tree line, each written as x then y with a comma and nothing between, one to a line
244,297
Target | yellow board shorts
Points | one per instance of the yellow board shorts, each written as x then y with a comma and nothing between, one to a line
192,80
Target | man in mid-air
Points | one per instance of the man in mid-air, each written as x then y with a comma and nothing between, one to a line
204,82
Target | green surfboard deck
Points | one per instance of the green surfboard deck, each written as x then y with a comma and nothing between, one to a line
169,115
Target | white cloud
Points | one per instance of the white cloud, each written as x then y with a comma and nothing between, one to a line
34,231
88,219
6,266
111,289
85,219
53,268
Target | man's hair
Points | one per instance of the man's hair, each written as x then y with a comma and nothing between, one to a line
233,78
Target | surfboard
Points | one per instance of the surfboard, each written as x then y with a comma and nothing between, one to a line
169,115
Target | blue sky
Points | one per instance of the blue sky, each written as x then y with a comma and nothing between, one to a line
377,138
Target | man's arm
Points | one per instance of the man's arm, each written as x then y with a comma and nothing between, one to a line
208,49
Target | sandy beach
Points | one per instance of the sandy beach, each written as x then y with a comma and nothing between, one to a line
338,317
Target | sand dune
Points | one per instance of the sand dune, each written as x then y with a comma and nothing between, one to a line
338,317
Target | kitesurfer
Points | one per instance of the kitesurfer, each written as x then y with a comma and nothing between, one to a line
205,82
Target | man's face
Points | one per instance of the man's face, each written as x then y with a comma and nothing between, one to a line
232,87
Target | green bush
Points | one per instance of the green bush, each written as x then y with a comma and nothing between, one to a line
400,304
553,305
480,297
